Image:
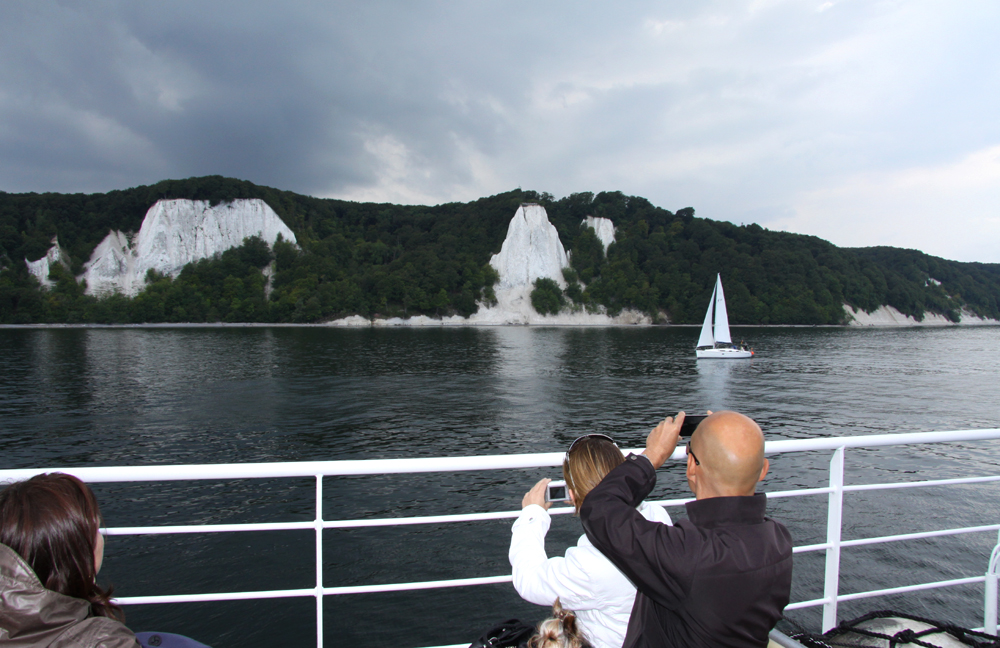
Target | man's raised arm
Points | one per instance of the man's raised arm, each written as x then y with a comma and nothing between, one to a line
634,544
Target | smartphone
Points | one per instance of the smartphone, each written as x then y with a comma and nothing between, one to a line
556,491
691,421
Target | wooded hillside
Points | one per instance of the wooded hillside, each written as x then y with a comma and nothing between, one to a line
393,260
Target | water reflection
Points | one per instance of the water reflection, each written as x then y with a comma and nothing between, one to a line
529,385
127,396
713,383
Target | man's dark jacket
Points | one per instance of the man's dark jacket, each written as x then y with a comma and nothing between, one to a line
720,578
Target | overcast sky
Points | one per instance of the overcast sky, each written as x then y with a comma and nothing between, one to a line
865,123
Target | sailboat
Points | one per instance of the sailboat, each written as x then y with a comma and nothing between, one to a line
715,341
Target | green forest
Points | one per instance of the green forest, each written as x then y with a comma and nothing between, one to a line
384,260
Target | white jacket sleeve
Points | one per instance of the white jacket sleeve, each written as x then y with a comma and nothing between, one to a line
540,579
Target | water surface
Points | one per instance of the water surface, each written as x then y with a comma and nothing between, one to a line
104,397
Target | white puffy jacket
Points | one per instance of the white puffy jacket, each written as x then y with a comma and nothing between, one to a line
584,580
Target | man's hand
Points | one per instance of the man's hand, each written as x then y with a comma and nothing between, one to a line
662,440
537,495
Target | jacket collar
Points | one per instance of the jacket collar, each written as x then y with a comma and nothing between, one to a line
27,608
726,511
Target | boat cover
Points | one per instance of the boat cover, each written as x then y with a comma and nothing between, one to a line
897,630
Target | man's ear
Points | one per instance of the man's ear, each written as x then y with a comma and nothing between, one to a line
763,471
691,476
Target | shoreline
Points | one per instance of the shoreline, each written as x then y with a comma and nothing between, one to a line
380,324
514,310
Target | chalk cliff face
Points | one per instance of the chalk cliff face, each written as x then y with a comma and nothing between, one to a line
532,250
604,228
42,267
173,234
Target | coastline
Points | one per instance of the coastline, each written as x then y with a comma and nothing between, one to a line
379,323
887,316
517,312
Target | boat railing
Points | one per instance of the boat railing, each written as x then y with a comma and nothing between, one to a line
833,546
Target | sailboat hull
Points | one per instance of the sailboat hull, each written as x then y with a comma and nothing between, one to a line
734,354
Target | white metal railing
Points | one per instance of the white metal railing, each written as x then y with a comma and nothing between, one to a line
318,469
990,603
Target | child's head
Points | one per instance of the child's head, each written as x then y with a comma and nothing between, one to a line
53,522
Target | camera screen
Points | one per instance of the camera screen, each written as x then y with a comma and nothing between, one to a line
557,493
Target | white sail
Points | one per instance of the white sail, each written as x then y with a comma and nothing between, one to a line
718,343
706,339
721,316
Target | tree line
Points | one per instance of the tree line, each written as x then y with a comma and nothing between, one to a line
384,260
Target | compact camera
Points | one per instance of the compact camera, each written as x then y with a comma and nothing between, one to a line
556,491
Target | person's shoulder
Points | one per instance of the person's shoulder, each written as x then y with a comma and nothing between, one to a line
781,533
585,552
588,559
781,528
97,632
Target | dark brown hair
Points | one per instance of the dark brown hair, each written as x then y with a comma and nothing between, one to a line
588,461
52,521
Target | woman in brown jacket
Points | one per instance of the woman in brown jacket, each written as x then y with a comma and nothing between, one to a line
50,552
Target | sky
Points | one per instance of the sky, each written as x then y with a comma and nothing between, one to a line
864,123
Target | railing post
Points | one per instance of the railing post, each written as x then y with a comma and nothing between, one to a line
834,517
319,561
990,603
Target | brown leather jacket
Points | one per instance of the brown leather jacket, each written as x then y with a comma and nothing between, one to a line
34,617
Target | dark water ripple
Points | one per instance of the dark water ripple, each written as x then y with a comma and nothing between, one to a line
168,396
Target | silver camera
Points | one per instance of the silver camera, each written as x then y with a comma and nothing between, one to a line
556,491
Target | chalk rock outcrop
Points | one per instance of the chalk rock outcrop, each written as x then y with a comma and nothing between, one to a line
604,228
532,250
173,234
43,266
889,316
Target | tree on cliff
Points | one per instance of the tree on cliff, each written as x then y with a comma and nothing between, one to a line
547,297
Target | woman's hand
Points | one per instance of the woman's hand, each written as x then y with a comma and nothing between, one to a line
537,495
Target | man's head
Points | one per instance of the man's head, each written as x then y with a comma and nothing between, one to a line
726,456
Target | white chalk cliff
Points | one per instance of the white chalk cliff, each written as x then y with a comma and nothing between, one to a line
604,229
889,316
531,251
177,232
43,266
173,234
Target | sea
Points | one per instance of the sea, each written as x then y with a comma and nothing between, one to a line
74,397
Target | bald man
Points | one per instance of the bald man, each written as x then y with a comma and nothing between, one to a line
723,576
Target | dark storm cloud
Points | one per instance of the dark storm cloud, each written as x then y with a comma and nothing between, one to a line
98,94
847,120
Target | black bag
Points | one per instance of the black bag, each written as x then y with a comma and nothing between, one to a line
506,634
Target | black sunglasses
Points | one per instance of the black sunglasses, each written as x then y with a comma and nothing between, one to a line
691,452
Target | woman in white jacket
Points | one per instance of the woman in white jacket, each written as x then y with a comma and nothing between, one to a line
584,580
